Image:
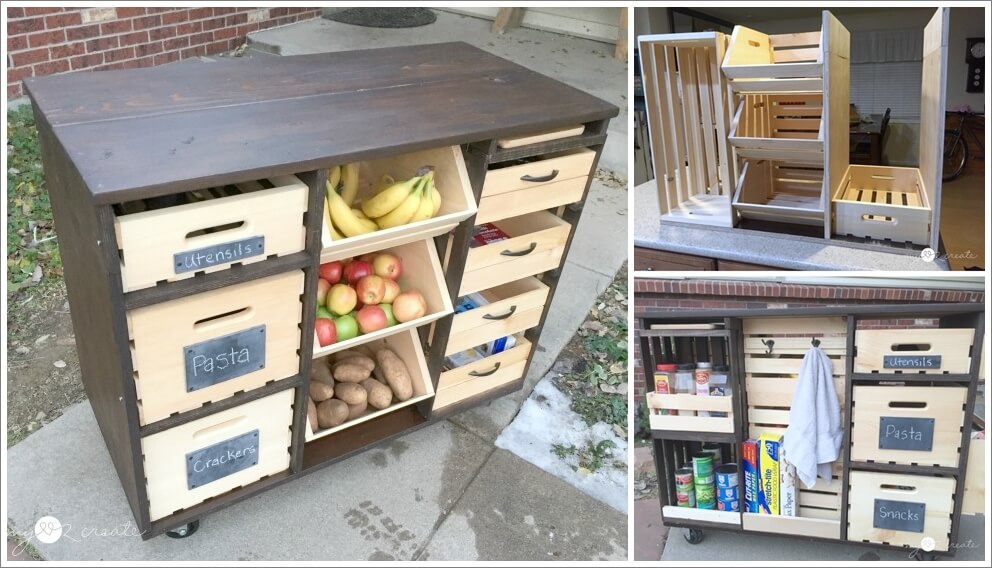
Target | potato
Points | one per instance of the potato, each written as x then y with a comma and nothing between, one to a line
355,358
352,393
331,413
312,414
379,395
320,392
356,410
347,373
320,372
396,374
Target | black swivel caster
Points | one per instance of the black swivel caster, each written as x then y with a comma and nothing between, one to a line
693,536
184,531
922,556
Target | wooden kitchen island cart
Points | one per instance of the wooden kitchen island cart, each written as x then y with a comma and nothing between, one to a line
189,202
906,397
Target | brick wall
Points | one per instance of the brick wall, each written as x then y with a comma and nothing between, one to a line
45,41
674,295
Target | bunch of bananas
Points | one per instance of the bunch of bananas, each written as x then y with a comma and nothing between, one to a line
394,204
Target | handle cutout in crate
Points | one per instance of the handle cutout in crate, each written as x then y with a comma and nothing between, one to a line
225,318
219,427
215,229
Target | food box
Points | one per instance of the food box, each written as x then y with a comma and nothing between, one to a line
769,446
749,457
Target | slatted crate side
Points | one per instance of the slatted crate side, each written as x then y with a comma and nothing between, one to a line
783,126
758,62
780,191
689,107
770,381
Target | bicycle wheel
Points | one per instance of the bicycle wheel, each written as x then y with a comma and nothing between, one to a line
955,155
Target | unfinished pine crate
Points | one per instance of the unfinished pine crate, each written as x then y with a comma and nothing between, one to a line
689,110
883,203
773,63
931,498
209,230
787,127
887,424
914,351
780,191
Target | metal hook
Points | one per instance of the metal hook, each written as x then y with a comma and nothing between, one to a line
769,345
815,342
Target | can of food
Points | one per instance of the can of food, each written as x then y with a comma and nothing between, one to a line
683,476
685,491
727,493
702,466
726,476
717,451
705,498
728,505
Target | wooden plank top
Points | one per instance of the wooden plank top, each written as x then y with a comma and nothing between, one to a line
145,132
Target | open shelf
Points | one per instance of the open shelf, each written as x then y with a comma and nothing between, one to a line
778,191
705,515
801,526
421,272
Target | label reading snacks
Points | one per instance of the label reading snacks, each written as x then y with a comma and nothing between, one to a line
899,515
911,361
224,358
221,459
199,259
898,433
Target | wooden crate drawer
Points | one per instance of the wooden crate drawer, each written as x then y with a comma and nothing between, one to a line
781,62
484,375
686,403
927,351
908,425
193,462
883,202
899,509
239,224
513,308
779,191
451,180
209,346
536,245
546,182
421,272
784,127
406,345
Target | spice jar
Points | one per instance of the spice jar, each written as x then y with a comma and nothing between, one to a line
702,375
719,384
664,377
685,383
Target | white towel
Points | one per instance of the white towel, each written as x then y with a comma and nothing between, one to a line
814,436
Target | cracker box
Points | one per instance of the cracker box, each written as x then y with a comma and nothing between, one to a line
749,457
769,446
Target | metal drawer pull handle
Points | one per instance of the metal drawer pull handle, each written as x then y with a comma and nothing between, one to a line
502,317
539,179
524,252
486,374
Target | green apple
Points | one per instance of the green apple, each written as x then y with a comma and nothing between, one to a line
390,319
347,327
323,312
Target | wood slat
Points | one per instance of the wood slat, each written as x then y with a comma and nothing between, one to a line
754,364
792,40
818,528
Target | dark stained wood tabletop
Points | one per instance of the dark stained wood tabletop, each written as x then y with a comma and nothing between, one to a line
145,132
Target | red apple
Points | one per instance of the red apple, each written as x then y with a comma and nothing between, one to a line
392,290
331,271
326,332
409,306
387,265
355,270
322,287
367,257
341,299
371,318
371,289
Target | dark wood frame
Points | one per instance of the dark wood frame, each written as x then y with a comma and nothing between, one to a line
84,216
963,315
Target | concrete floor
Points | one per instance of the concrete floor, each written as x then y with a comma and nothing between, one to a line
444,492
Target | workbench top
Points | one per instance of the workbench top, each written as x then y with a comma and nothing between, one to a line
140,133
789,252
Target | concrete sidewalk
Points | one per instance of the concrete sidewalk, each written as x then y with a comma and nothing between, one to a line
442,493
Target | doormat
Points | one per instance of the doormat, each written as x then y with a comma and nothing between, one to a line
384,17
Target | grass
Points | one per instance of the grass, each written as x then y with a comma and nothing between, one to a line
32,248
592,457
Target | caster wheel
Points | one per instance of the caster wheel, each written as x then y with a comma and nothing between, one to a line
693,536
184,531
922,556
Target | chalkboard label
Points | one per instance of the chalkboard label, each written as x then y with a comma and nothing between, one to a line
899,515
911,361
898,433
199,259
221,459
224,358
